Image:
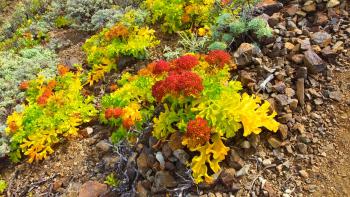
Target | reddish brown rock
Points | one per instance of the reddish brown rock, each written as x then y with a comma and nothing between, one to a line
93,189
321,19
291,10
313,62
269,6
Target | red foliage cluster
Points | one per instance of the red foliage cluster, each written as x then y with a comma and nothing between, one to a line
118,31
218,57
62,69
113,113
178,82
198,130
24,85
13,126
128,123
186,62
47,93
160,67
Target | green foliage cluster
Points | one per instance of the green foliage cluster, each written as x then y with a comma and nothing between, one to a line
55,109
23,11
3,186
229,27
85,15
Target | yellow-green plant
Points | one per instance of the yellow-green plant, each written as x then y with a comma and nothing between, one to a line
106,50
198,98
175,15
111,180
3,186
55,109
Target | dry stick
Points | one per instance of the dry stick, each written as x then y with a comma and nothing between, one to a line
11,182
260,173
30,187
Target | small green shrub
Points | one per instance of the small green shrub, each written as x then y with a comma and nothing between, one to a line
3,186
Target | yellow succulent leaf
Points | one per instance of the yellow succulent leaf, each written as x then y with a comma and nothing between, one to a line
254,116
210,153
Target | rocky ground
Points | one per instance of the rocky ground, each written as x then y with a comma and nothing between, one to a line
304,72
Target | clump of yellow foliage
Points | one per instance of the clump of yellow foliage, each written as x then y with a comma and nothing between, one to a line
106,50
55,109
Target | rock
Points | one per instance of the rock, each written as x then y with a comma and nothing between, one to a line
89,130
301,91
304,174
161,160
254,140
246,78
282,99
235,160
283,130
338,46
235,187
243,171
143,162
93,189
270,190
110,161
103,146
175,141
289,46
166,150
321,38
141,191
298,58
163,180
57,184
182,156
302,148
227,176
274,142
321,19
274,19
73,189
332,3
299,127
293,104
269,6
329,53
266,162
305,44
245,144
313,62
290,92
309,6
336,95
244,54
292,10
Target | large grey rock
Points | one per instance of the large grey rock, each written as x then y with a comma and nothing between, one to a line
321,38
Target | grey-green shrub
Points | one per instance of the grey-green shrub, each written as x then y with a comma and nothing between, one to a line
15,68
